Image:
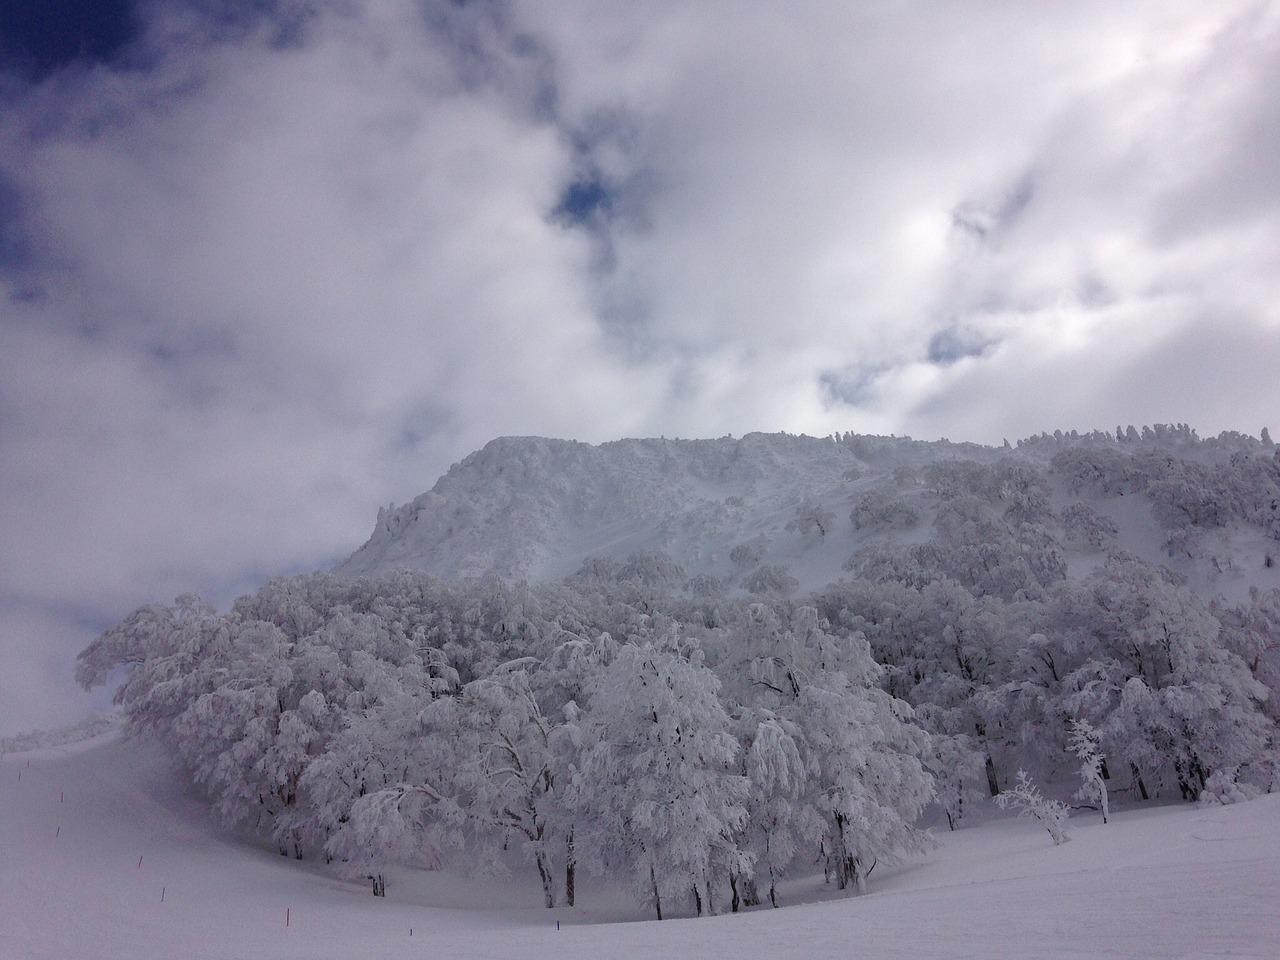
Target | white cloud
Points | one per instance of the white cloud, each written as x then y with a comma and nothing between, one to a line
810,167
260,287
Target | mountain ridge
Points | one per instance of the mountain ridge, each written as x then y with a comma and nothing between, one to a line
536,508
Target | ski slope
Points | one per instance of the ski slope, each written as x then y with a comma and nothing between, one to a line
103,856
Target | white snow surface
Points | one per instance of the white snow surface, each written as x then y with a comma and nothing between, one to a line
102,855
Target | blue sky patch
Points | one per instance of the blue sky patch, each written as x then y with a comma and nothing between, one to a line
40,37
584,202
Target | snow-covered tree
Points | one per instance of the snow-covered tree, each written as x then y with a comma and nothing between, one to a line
1087,746
956,764
878,511
1086,527
864,780
810,516
1252,632
771,579
1025,797
1166,696
946,652
656,795
160,654
867,779
780,824
377,793
506,775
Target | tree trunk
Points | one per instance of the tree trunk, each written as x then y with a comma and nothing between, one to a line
953,816
570,871
547,878
992,783
379,885
1142,787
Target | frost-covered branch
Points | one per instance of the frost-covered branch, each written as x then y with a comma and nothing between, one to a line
1026,799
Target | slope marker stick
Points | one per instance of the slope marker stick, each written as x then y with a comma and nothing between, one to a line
139,863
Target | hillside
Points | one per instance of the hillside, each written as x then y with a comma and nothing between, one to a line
709,674
534,508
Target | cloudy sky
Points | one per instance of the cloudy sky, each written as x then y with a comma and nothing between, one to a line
268,264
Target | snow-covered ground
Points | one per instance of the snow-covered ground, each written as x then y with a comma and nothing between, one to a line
103,856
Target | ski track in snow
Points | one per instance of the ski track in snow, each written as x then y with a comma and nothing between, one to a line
103,855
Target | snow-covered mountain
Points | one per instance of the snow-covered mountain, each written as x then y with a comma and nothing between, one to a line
734,664
535,508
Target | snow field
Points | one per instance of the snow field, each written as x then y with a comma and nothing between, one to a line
1185,881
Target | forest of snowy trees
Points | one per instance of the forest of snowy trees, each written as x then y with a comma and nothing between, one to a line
706,737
